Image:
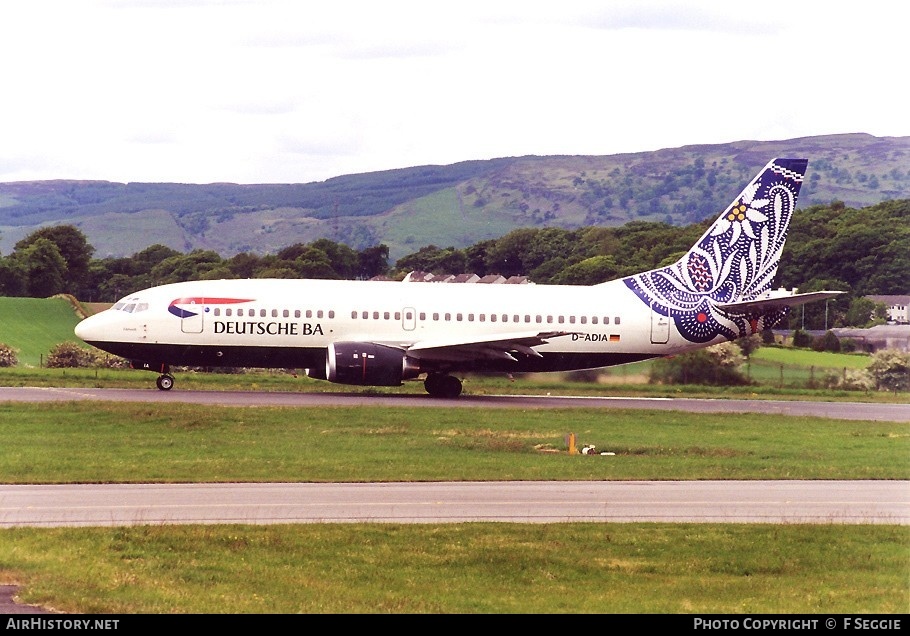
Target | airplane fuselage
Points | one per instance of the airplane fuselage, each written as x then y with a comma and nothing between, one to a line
290,323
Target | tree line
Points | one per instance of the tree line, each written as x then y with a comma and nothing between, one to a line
860,251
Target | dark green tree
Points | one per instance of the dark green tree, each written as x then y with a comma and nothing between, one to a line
190,266
865,313
72,246
13,277
44,267
343,260
591,271
433,259
373,261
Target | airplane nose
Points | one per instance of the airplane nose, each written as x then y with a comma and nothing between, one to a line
87,328
81,330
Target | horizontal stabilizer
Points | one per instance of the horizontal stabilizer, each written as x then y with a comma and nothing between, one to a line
774,301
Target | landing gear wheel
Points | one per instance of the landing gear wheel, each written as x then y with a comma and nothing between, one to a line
442,386
165,382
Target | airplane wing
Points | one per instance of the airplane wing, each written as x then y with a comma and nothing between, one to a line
501,346
774,301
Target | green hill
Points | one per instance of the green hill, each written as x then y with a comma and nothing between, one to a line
456,205
35,325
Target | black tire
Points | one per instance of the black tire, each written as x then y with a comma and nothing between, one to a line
433,384
165,382
450,387
440,385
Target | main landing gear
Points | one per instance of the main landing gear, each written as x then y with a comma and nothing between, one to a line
165,382
441,385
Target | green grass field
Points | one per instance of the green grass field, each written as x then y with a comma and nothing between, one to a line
564,570
34,326
486,568
172,442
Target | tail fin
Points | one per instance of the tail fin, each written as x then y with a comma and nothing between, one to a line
733,262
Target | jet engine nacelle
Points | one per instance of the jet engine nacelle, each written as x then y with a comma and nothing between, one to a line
366,364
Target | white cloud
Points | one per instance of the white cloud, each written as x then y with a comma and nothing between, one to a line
284,91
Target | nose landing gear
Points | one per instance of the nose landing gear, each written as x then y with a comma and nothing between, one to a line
165,382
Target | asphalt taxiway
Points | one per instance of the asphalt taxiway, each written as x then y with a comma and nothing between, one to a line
837,410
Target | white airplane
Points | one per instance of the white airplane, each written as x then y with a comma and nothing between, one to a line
371,333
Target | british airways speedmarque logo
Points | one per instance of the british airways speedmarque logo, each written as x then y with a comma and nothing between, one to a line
183,312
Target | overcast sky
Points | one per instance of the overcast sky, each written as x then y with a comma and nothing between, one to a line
294,91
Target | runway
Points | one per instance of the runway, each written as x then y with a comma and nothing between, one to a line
815,502
838,410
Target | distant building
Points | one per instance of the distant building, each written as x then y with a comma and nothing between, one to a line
417,277
492,279
897,307
878,337
465,278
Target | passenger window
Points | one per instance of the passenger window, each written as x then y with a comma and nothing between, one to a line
375,315
458,317
584,320
274,313
285,314
309,313
386,315
354,314
296,313
262,313
616,320
594,320
448,317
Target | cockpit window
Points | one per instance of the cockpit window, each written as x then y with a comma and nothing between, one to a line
130,305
